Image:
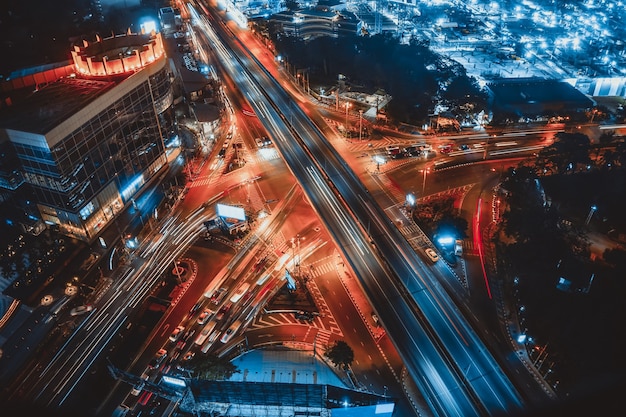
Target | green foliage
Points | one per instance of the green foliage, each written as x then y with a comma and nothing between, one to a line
211,367
340,354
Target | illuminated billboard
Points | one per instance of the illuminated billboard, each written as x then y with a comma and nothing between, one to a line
230,212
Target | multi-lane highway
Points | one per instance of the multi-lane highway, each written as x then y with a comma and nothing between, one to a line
447,360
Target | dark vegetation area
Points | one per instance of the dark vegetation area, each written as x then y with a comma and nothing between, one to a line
545,236
414,76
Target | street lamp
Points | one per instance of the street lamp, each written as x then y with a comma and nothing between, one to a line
347,107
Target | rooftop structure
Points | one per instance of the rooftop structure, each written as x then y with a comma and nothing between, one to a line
81,140
532,97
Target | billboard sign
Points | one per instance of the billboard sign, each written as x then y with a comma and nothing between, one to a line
230,212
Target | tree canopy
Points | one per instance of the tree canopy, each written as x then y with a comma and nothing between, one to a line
412,74
211,367
340,354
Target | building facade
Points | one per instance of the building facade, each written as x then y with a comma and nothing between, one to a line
85,143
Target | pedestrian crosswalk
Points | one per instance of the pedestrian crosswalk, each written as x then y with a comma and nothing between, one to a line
409,229
315,270
449,192
267,154
322,338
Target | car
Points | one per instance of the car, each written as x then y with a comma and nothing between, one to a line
263,142
137,389
81,310
158,358
121,410
218,295
188,356
195,308
176,334
463,147
432,255
304,315
205,316
230,331
222,312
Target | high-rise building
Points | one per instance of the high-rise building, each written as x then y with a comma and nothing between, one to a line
80,139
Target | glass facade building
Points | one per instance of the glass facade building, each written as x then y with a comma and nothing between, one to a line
87,143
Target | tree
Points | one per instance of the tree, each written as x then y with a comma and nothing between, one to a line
340,354
211,367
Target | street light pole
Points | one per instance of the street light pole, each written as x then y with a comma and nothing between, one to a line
347,105
360,124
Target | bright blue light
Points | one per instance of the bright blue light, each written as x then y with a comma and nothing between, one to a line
132,187
445,240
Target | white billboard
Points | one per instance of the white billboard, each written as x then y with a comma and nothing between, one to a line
230,212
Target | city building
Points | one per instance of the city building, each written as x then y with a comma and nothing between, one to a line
80,139
535,97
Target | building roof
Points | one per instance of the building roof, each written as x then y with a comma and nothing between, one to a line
206,112
528,96
50,105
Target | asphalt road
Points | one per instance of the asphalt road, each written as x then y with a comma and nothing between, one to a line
444,373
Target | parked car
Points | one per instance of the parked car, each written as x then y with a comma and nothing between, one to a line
304,315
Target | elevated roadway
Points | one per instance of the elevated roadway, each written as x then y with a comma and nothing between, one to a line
450,364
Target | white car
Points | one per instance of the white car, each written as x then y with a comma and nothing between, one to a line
230,331
431,254
177,333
